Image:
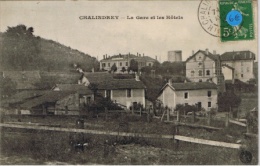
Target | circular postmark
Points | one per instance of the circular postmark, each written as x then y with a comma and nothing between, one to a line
245,157
208,15
234,18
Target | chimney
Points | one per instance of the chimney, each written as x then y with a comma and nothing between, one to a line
104,56
137,54
143,54
193,52
207,51
137,77
214,52
170,81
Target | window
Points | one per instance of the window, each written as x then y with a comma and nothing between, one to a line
200,80
88,100
150,64
199,105
120,63
128,92
242,75
209,104
108,64
126,63
209,93
108,94
192,73
200,72
104,64
208,72
186,95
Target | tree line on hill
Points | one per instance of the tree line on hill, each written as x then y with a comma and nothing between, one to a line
20,49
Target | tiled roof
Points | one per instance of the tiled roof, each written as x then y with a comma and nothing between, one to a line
23,96
121,84
81,89
23,79
210,55
60,77
191,86
194,86
49,97
237,55
129,56
99,77
106,81
225,65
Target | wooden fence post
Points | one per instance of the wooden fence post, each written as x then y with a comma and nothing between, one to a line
168,114
227,120
178,115
193,116
247,127
209,118
148,115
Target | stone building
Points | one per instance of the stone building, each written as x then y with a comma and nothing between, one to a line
204,66
123,61
242,62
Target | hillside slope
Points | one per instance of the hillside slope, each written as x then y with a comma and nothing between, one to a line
51,55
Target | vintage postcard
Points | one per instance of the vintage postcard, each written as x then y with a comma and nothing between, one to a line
129,82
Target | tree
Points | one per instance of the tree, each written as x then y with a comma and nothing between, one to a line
133,65
20,48
123,69
114,68
227,101
146,69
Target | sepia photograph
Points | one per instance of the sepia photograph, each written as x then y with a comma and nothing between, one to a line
129,82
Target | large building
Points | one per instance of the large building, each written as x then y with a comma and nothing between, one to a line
242,62
123,61
175,56
204,66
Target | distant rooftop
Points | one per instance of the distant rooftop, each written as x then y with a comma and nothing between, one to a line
191,86
106,81
209,54
127,56
237,55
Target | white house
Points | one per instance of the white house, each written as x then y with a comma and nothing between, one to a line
204,94
126,93
242,62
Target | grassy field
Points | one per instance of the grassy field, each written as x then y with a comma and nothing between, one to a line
249,101
41,147
45,147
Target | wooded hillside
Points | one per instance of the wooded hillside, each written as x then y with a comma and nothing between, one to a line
21,50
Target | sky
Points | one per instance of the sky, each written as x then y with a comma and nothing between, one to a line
59,21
